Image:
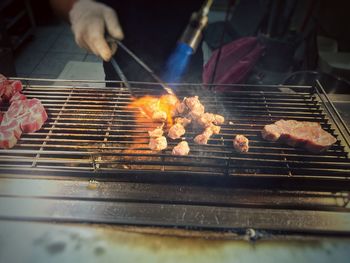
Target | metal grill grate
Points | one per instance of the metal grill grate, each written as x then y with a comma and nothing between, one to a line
92,133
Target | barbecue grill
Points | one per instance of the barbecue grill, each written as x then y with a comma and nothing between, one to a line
90,163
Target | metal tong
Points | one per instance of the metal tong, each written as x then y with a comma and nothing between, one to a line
141,63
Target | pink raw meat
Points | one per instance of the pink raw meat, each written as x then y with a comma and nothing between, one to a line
18,96
37,117
8,88
30,114
9,134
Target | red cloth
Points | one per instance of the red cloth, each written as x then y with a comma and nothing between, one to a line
236,60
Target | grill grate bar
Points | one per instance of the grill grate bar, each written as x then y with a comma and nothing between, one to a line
93,129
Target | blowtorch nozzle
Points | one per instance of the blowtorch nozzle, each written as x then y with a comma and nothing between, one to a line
193,32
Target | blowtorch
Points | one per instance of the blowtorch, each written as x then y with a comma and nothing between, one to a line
187,44
193,32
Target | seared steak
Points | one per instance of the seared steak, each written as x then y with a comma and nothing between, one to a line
308,135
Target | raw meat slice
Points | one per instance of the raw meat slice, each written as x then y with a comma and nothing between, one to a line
181,148
30,114
176,131
16,110
308,135
10,134
8,88
241,143
158,144
18,96
7,138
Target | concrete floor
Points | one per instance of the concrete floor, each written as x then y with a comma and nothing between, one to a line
52,53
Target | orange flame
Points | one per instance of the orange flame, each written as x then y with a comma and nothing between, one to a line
149,104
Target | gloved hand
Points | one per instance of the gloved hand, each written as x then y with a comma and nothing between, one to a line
89,20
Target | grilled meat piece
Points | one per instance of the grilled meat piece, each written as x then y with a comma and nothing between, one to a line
176,131
308,135
159,116
241,143
204,137
215,129
206,119
196,111
183,121
158,132
191,102
158,143
180,108
218,119
181,149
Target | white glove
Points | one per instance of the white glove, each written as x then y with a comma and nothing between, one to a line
89,20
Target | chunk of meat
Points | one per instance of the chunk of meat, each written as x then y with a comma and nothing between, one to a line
196,111
159,116
9,134
176,131
30,114
158,143
204,136
8,88
206,119
218,119
35,119
180,108
158,132
183,121
192,102
241,143
215,129
7,138
181,148
18,96
308,135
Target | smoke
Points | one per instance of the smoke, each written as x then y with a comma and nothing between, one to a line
177,63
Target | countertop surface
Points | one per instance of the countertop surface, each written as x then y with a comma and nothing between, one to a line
48,242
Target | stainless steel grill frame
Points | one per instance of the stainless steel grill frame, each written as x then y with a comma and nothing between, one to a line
90,131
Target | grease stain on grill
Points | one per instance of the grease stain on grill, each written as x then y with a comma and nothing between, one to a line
55,248
99,251
92,185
